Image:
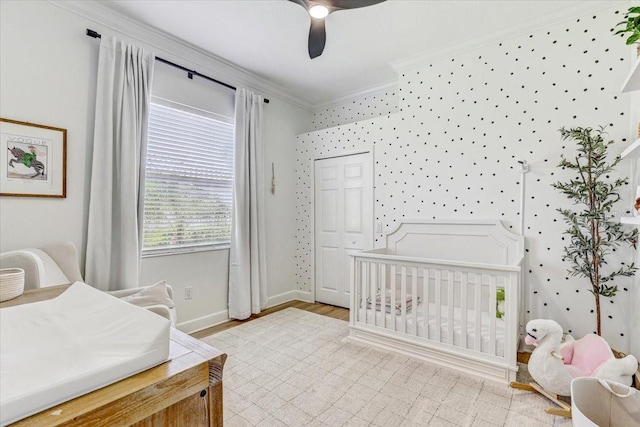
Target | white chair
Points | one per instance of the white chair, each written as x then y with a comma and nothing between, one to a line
52,265
57,264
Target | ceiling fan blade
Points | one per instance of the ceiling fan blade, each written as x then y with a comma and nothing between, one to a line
317,32
347,4
317,38
300,2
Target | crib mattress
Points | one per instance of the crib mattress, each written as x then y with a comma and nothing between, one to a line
85,339
444,326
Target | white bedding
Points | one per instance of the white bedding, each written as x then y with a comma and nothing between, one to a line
444,326
55,350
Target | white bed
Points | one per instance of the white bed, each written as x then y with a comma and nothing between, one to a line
463,276
458,339
82,340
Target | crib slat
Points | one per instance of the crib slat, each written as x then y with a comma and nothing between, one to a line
403,296
359,302
512,320
425,302
363,297
438,305
477,341
492,314
392,308
373,284
383,294
414,300
450,307
463,308
365,293
513,316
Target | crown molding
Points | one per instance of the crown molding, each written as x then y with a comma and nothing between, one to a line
177,49
359,94
560,16
197,58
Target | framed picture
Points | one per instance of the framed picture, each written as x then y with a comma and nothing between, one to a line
33,160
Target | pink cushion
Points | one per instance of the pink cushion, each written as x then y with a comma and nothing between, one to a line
589,352
576,372
566,351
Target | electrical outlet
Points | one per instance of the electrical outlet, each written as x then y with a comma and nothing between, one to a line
187,292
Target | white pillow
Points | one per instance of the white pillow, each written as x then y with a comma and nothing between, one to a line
155,294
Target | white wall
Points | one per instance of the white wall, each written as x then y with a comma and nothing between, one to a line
380,103
450,153
281,122
48,77
207,272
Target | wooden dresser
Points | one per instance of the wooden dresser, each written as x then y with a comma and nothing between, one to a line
184,391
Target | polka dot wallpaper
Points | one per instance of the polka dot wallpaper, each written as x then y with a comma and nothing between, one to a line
380,104
450,152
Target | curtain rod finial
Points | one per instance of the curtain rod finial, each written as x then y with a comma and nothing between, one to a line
93,34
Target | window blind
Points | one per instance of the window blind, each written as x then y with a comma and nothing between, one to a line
189,176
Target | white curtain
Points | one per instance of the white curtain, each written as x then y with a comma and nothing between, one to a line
247,263
116,205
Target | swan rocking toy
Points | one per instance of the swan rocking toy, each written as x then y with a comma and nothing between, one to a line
554,365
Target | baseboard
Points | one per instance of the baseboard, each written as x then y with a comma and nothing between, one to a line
204,322
295,295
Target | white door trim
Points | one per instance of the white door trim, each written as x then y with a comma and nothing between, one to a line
331,155
346,153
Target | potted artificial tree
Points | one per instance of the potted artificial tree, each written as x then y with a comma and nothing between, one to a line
593,232
630,27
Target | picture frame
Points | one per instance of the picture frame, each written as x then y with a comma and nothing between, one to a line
33,160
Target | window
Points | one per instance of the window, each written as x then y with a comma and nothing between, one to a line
189,177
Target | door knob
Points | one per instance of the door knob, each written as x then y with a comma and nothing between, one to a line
353,242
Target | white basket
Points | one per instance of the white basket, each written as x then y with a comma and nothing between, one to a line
11,283
603,403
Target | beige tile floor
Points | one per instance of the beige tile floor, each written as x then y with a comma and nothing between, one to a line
295,368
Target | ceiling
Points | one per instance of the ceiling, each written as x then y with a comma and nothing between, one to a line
268,38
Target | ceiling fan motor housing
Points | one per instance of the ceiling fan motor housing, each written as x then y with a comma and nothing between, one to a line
320,9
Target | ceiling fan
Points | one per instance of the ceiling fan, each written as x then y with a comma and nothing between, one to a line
319,9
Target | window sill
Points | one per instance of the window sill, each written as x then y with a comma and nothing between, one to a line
185,251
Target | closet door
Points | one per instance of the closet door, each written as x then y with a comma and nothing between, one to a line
343,222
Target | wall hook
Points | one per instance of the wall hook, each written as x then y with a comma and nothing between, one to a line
524,166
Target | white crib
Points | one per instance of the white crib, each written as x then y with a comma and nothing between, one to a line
445,291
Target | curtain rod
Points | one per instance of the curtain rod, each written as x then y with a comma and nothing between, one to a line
190,73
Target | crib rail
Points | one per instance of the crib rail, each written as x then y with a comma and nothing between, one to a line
465,306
